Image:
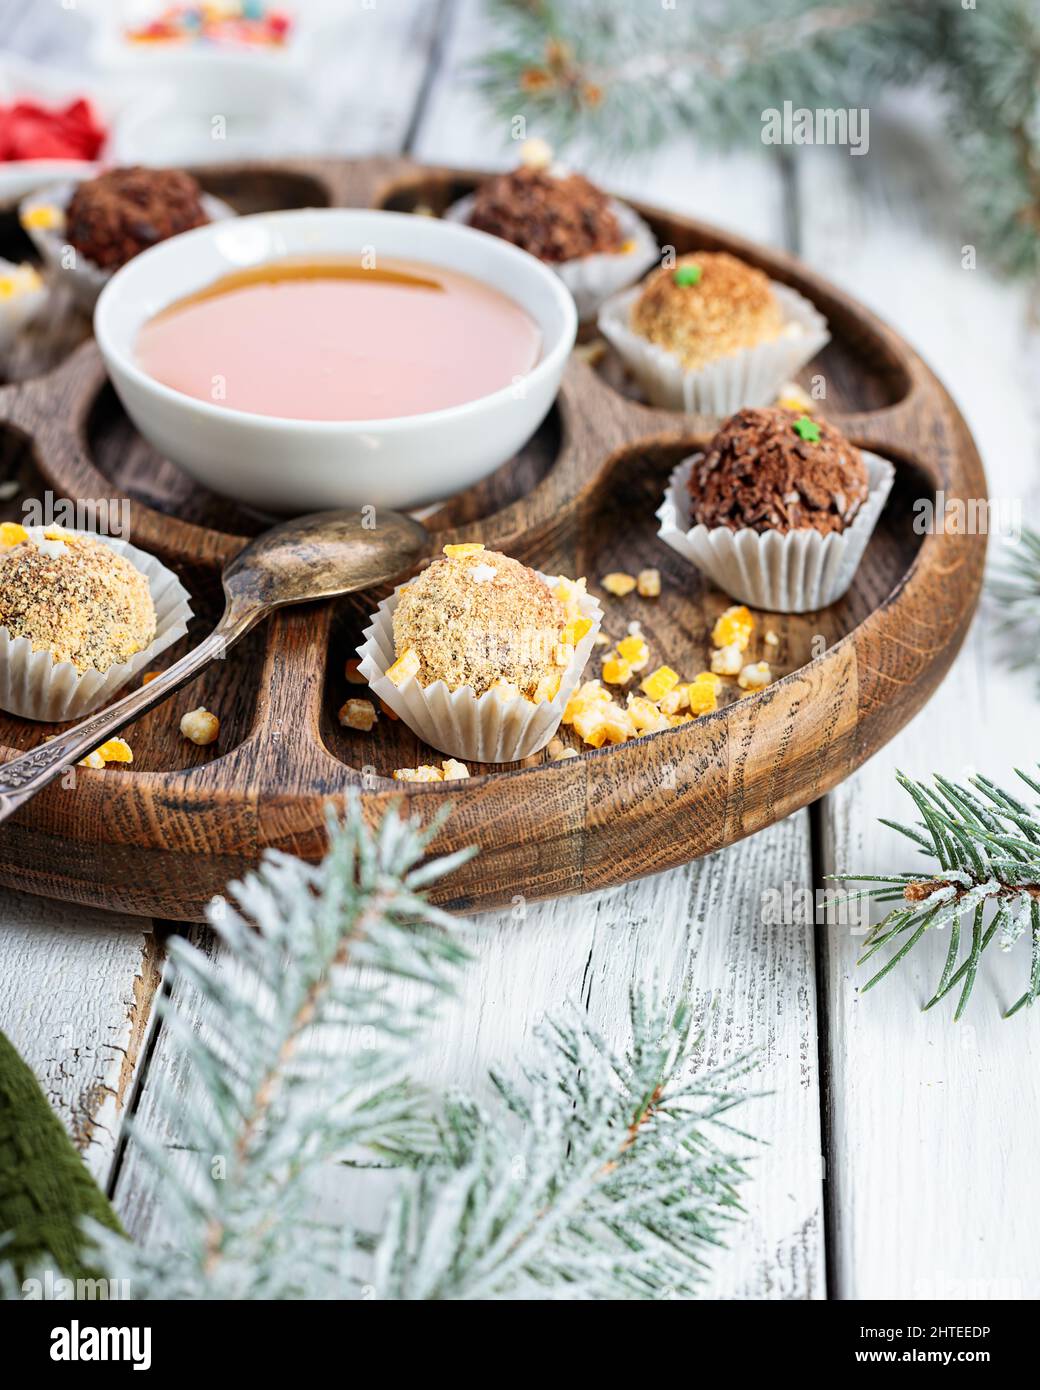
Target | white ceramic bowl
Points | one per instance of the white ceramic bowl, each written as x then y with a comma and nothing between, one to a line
296,466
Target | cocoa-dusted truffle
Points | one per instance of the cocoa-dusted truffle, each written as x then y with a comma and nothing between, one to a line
74,597
557,217
708,305
124,211
778,470
478,618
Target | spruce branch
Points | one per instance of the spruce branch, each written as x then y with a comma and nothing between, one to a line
275,1087
986,847
1015,588
597,1174
600,1176
626,75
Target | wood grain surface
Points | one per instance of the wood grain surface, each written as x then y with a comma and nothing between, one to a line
162,837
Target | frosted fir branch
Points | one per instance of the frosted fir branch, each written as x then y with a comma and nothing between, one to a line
599,1176
270,1085
1015,591
624,75
986,846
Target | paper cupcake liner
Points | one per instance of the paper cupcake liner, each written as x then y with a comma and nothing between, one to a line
21,307
748,377
593,279
792,572
86,279
35,686
481,729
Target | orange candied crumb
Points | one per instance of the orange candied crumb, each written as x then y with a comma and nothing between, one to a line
350,670
645,715
116,750
547,688
405,667
618,583
733,627
616,670
702,693
423,773
575,630
635,651
357,714
465,548
659,682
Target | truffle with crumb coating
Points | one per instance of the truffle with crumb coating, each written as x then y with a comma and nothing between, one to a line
479,619
708,305
555,216
113,217
75,597
774,469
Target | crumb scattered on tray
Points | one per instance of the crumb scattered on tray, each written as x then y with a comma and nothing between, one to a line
200,726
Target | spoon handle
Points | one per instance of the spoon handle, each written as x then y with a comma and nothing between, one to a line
27,774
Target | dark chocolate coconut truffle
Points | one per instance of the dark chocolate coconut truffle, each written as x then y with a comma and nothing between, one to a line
778,470
111,218
557,217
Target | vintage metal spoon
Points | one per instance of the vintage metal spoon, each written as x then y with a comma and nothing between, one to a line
312,557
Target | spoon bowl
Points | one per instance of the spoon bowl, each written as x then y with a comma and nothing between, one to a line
323,555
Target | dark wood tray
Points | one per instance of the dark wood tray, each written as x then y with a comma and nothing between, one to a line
161,837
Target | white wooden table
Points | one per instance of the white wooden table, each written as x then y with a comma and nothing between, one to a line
900,1154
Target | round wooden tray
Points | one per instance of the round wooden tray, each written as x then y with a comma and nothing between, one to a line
160,838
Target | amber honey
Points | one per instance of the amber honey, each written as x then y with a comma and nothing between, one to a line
339,339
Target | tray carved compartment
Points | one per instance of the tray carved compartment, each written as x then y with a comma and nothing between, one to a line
160,838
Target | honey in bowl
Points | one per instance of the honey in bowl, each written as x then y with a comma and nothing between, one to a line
336,339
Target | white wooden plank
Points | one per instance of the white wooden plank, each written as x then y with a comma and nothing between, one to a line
932,1125
702,933
76,1001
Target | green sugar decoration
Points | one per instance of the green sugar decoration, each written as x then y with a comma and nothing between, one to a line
807,429
687,275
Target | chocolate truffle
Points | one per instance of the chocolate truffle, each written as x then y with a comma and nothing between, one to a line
74,597
124,211
557,217
778,470
479,618
708,305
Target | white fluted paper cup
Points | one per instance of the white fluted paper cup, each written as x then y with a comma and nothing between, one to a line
748,377
593,279
476,728
35,686
780,572
86,279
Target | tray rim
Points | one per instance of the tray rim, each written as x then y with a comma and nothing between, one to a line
268,817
